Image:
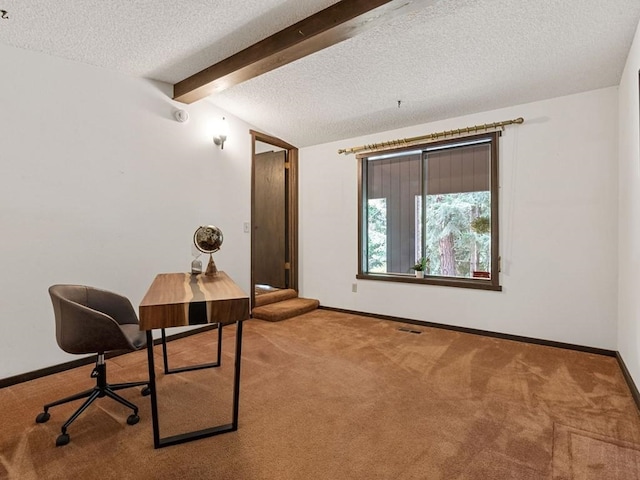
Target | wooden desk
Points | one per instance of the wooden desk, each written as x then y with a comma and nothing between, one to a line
182,299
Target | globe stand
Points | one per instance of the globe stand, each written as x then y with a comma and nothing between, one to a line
212,270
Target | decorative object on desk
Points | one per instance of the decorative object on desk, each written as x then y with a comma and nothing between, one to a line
208,239
420,266
196,264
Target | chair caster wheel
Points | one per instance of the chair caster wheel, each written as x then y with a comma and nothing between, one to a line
62,440
145,391
43,417
133,419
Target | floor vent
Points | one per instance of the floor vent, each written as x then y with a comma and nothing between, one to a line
408,330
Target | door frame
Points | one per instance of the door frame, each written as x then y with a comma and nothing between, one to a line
291,205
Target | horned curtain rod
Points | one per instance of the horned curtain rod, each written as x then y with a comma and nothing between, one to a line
432,136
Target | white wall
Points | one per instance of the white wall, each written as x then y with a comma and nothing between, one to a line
558,202
629,215
100,185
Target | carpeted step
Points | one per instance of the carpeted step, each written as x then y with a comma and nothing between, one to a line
275,296
292,307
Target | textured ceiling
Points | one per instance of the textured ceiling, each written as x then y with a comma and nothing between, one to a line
450,58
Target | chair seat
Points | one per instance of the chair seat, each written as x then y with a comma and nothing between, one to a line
137,338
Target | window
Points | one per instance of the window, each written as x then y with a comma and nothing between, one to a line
437,201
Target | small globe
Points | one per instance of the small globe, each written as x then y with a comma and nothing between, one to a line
208,238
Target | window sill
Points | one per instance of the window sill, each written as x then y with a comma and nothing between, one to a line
432,280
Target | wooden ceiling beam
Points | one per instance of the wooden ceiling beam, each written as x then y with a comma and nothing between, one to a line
330,26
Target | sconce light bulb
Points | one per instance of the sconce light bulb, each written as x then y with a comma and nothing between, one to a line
221,137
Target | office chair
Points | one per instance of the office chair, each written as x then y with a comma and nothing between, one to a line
90,320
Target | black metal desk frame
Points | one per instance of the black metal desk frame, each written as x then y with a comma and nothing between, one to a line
197,434
189,368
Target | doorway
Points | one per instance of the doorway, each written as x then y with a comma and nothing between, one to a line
274,215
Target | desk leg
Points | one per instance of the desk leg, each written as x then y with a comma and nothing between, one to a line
207,432
152,387
236,376
189,368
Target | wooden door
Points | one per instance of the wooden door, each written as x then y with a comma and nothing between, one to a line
269,247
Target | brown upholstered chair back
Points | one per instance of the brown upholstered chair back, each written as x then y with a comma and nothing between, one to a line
90,320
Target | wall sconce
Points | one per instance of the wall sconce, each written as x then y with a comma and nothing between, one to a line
221,137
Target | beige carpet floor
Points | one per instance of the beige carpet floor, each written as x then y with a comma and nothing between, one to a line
329,395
